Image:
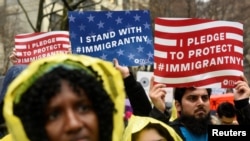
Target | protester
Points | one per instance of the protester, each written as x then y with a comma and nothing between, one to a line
193,107
142,128
241,101
226,113
66,97
135,92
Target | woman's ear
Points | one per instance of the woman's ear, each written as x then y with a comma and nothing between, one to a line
178,106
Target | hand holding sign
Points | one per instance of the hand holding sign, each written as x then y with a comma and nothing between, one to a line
242,90
157,95
123,69
13,57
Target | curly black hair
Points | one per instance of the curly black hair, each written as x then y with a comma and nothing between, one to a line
31,108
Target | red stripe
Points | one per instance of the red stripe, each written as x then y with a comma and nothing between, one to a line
28,35
28,39
204,31
180,22
204,82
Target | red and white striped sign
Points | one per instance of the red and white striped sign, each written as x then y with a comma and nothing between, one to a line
32,46
198,52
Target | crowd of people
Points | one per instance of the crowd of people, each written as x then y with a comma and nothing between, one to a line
76,97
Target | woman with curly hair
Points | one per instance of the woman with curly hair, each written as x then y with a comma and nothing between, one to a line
66,98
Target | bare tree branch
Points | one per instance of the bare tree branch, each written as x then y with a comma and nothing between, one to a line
66,5
26,15
39,16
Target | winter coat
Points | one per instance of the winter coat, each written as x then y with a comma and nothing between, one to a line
137,123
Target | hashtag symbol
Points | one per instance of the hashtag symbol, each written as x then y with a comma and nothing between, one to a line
160,67
78,49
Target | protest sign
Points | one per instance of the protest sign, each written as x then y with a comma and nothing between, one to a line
198,52
32,46
125,35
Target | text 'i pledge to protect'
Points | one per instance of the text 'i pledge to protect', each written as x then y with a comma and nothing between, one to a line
192,42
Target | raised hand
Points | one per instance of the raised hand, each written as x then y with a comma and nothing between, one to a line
157,95
242,89
13,57
123,69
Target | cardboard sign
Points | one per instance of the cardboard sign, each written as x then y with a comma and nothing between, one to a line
33,46
198,52
125,35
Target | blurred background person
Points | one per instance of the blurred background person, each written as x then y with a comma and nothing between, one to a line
141,128
225,114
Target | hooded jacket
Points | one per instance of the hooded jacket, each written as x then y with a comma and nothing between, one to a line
112,82
137,123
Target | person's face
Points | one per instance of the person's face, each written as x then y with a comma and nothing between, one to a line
150,135
70,117
194,103
226,120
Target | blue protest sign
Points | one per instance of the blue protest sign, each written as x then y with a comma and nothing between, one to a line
125,35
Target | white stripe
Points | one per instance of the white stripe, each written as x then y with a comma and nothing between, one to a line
62,39
213,85
238,49
20,46
66,46
197,77
234,36
155,65
36,37
173,19
197,27
160,54
167,42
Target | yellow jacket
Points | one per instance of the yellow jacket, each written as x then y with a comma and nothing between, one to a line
137,123
6,138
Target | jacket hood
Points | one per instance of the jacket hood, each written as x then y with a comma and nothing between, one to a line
112,81
137,123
